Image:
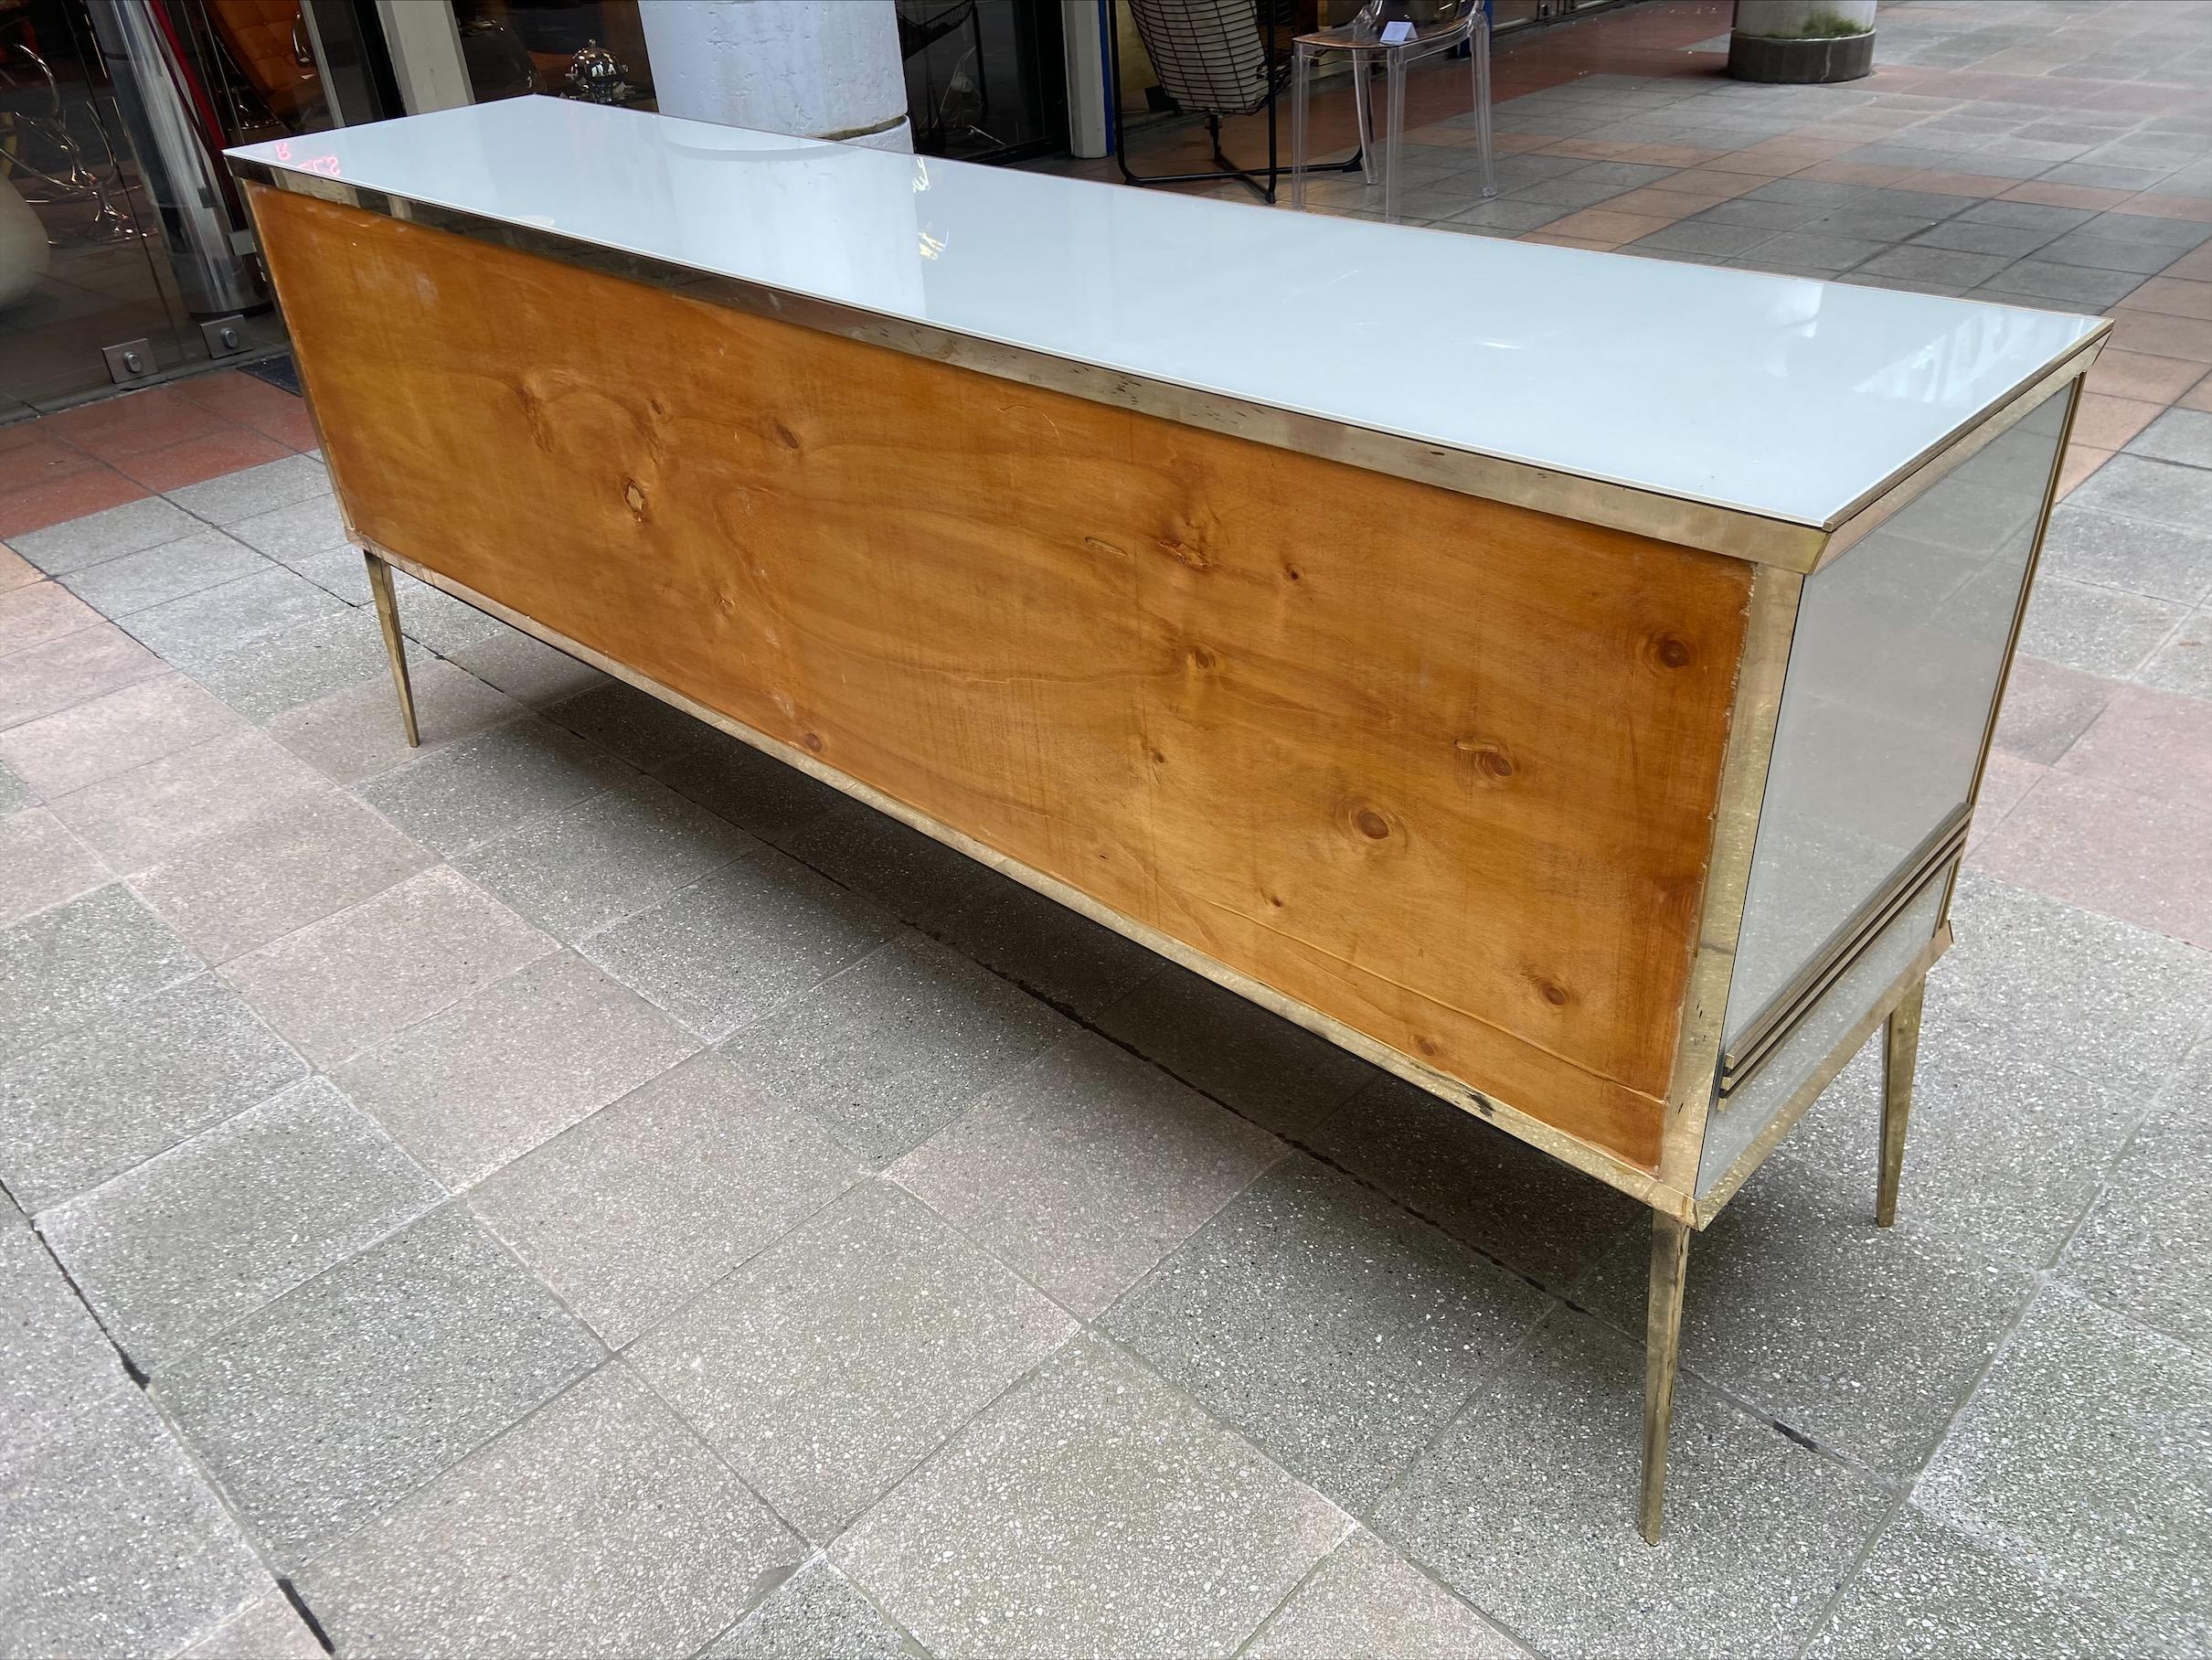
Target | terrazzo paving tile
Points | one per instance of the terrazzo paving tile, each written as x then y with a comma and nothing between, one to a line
814,1614
633,724
111,1542
739,943
658,1546
91,1104
830,1366
753,791
2143,488
42,865
304,662
1364,1598
1932,1593
59,1362
330,1404
1330,1328
138,818
2162,561
314,854
118,587
2051,282
469,1089
1481,1186
71,670
2146,1245
15,793
254,491
649,1199
197,1238
106,535
2096,631
40,614
893,1048
1527,1506
198,631
344,983
578,869
309,525
1089,1509
442,623
484,787
1255,1063
2178,436
356,734
528,670
111,734
2183,664
80,961
2083,1455
2114,851
1085,1169
270,1630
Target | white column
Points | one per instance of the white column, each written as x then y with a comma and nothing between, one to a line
819,68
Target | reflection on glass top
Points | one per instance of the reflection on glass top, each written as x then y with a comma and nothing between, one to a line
1778,394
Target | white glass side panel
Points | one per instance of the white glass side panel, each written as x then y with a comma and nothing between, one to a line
1898,649
1779,395
1732,1126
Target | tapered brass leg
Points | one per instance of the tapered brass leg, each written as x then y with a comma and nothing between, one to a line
1662,1349
1900,1048
395,646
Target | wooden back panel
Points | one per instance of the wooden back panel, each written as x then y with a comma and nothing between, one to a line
1439,769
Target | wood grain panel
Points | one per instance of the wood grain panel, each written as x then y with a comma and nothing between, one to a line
1439,767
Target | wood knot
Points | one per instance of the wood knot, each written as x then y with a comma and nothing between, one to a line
1424,1043
813,741
1291,573
1201,657
1489,758
1371,824
633,493
1670,653
1177,548
1553,992
784,435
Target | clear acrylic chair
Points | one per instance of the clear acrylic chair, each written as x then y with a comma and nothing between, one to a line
1436,26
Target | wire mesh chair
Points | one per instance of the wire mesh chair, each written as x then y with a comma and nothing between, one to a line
1438,25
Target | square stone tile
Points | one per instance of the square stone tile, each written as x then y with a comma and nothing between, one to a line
1970,237
106,535
126,728
1366,1599
2097,251
42,612
255,490
15,794
2082,1457
2054,280
2138,858
2097,631
1527,1506
314,854
306,661
111,1542
2152,742
2165,561
2096,997
356,733
58,1361
112,1094
2033,216
1089,1509
740,943
645,1202
1086,1168
1332,1329
483,786
138,818
527,669
1695,236
814,1614
1923,264
201,629
442,623
332,1403
2183,664
1485,1188
65,967
1927,1592
2147,489
487,1080
2047,707
578,869
1257,1064
830,1366
2178,436
116,588
752,790
309,525
634,725
349,982
338,570
268,1630
42,865
1811,250
2146,1247
658,1546
71,670
195,1239
895,1047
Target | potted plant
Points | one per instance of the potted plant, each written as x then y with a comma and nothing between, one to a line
1802,42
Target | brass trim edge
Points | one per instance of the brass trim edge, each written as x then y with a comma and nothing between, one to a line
1821,1075
1615,1172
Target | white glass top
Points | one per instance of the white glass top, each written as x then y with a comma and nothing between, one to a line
1775,395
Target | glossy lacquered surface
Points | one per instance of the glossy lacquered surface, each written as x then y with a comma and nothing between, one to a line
1776,395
